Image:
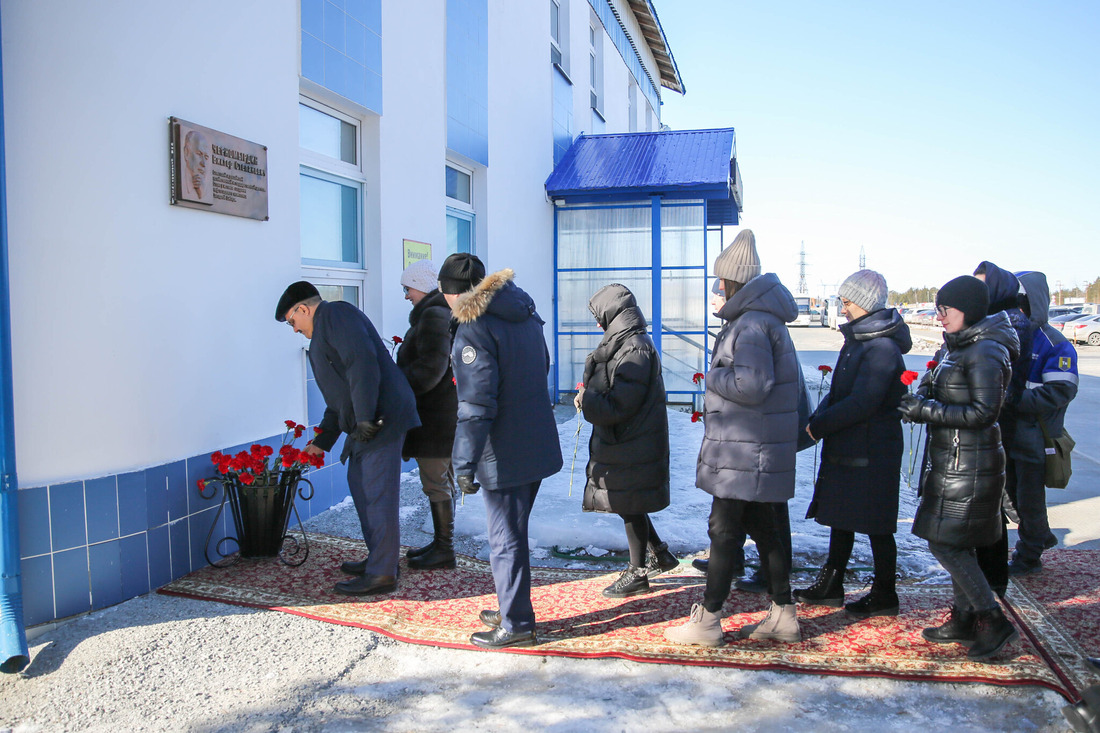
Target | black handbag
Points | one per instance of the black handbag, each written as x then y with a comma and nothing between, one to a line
1058,451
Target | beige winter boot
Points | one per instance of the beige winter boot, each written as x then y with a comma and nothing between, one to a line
702,627
780,624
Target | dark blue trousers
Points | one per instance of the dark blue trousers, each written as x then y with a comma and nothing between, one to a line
508,511
374,478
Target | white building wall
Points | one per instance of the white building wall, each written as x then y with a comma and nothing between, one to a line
144,332
412,152
519,216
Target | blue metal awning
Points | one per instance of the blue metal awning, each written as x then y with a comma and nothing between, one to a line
689,164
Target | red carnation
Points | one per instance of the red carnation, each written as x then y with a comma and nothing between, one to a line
267,451
317,431
247,479
396,340
217,456
201,483
697,377
299,430
824,368
696,416
580,386
289,424
932,365
908,377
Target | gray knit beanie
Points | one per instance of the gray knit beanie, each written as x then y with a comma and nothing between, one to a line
420,275
739,261
865,288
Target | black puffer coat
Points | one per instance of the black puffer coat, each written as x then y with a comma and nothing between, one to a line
964,464
857,486
624,399
425,359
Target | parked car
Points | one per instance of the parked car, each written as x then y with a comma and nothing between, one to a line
1086,330
1060,322
1063,310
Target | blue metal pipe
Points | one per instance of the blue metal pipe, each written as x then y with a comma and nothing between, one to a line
656,261
13,637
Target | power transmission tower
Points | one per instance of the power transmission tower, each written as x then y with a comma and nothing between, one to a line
862,258
802,288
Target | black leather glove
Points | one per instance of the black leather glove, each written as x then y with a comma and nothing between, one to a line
467,485
910,407
366,430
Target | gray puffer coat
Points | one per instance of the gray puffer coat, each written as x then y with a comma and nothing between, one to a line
964,464
751,404
624,399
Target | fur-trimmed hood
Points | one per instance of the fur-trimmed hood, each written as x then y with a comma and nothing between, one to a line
496,294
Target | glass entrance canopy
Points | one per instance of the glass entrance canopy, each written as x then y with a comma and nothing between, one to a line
635,209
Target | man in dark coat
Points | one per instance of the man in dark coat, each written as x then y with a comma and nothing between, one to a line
424,357
506,436
1048,387
367,397
623,396
857,486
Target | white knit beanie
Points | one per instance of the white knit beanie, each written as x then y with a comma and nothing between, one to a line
420,275
739,261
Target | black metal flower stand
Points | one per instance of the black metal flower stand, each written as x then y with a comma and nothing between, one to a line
261,512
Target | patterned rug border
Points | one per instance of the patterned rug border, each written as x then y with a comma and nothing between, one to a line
1055,647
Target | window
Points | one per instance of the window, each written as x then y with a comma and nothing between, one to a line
559,35
595,62
332,194
460,210
458,184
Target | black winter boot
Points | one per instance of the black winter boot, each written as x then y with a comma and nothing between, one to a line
659,560
879,602
442,554
630,582
991,633
827,590
958,629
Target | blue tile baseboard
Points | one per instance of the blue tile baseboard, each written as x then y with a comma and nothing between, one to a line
96,542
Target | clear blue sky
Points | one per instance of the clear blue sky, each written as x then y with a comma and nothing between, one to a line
934,134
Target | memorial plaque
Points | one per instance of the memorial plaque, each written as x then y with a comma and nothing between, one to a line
213,171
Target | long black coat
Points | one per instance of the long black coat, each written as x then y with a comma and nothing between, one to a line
357,377
425,359
964,464
857,486
506,432
624,399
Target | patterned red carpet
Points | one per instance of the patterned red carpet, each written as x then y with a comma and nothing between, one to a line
1060,609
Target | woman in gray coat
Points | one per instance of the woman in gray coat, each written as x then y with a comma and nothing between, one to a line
747,460
964,465
623,396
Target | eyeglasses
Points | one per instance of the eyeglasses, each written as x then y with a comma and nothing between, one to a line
845,302
405,289
941,310
290,316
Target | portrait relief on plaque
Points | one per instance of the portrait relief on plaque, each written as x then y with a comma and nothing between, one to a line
214,171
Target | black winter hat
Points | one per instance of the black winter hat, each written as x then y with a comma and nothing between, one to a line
968,294
292,296
460,272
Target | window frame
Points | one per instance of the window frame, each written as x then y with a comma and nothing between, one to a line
317,165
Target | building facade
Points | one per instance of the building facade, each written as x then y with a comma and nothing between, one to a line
142,335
